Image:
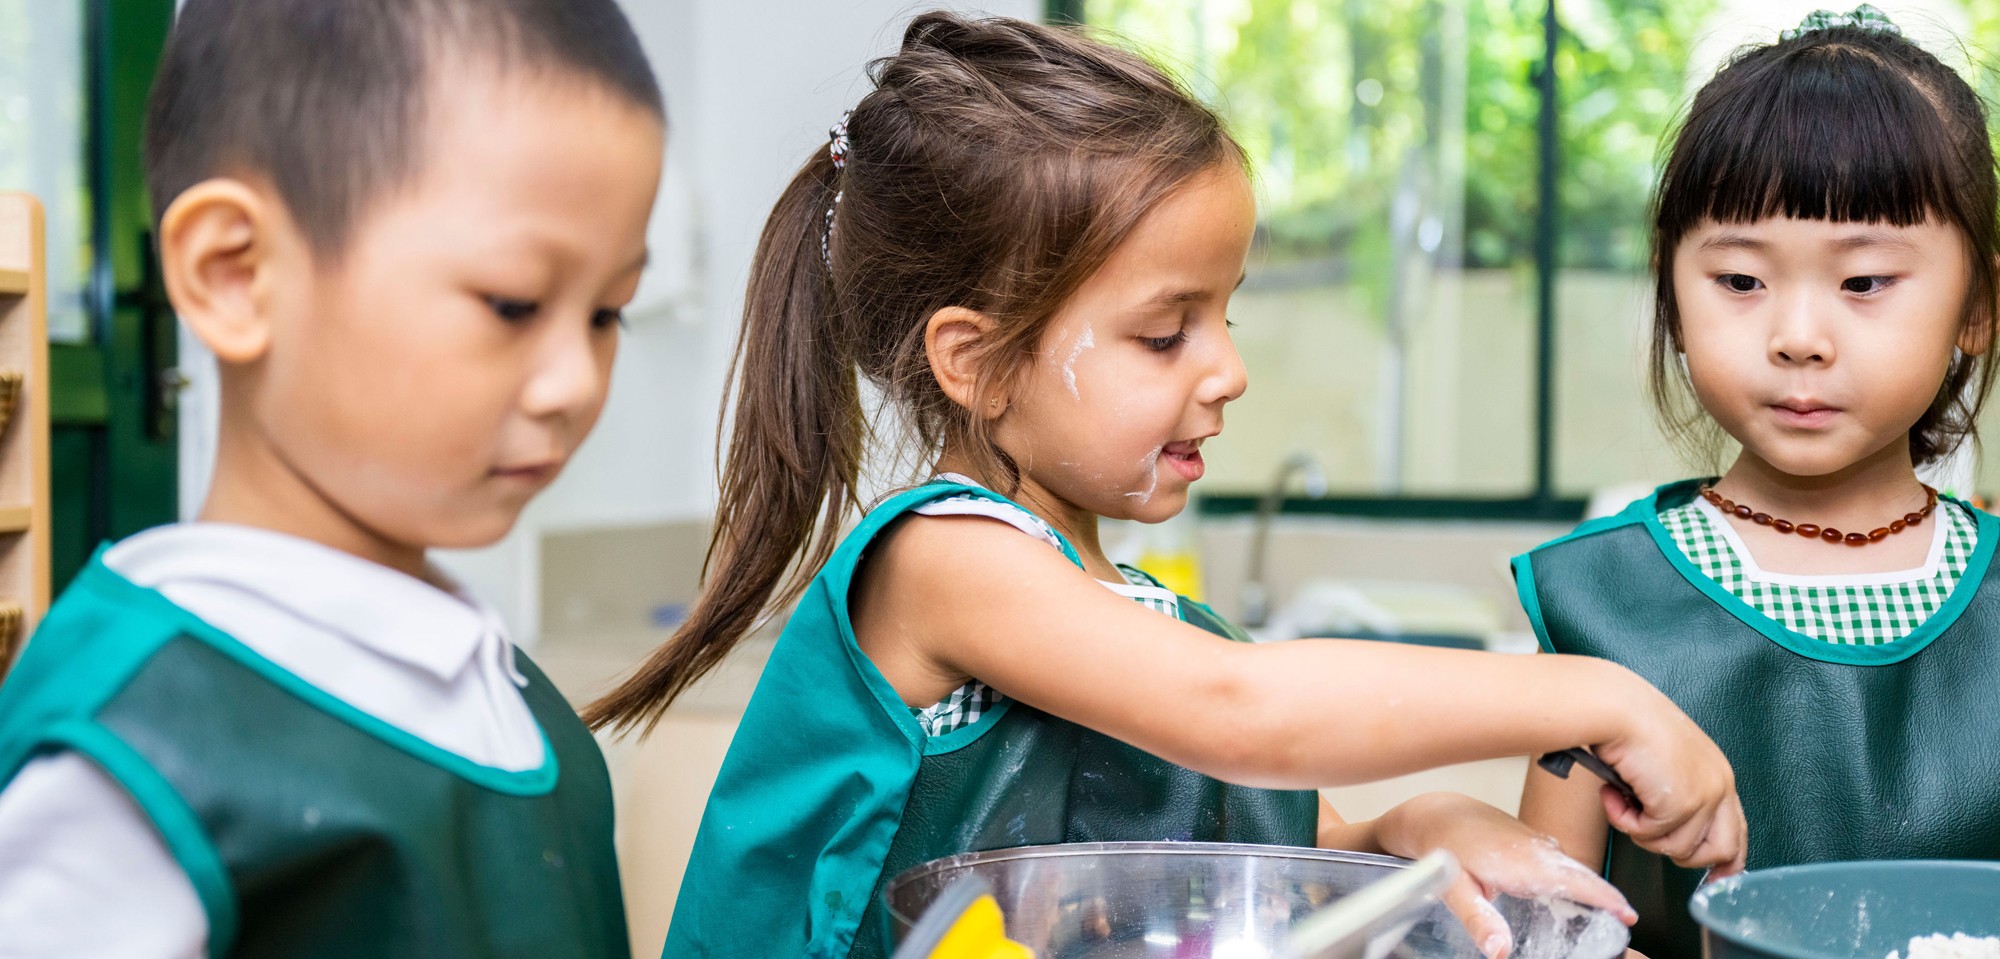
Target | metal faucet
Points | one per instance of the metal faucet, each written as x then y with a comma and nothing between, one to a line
1256,597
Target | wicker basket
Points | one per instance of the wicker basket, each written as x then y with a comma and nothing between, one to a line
11,617
10,395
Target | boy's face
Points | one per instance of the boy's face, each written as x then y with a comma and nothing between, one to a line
438,372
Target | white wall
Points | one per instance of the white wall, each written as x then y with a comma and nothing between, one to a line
751,88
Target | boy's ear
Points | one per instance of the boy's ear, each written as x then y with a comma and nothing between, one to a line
951,339
215,241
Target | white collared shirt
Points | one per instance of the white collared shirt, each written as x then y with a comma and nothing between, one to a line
82,870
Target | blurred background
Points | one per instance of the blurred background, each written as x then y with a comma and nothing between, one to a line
1444,320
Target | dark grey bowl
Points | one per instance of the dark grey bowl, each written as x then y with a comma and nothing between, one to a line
1845,910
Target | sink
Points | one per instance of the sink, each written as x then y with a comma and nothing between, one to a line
1421,613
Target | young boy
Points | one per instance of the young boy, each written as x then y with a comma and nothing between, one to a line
406,229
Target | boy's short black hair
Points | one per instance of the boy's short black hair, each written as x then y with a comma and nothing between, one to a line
324,98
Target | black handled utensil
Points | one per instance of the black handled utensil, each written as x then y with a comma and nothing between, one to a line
1560,763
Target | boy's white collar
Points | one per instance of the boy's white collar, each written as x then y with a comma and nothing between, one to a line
400,617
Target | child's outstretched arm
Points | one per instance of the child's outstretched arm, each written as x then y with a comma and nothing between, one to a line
942,599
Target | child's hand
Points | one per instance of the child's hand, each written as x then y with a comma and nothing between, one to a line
1691,811
1498,854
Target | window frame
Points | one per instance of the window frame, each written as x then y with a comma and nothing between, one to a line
1542,502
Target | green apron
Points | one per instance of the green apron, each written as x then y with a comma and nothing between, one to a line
309,828
831,787
1841,752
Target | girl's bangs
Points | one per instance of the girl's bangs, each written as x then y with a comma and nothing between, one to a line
1835,134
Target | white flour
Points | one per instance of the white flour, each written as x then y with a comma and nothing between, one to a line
1958,945
1084,342
1563,929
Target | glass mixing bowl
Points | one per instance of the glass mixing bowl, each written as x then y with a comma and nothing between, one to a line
1141,900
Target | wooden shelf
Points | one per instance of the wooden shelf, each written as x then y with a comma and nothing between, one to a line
24,443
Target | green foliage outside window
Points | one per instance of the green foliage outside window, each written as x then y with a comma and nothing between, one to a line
1625,79
1335,99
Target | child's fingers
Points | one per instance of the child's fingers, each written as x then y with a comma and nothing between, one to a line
1713,839
1727,848
1677,839
1488,928
1724,847
1546,872
1684,844
1589,889
1685,848
1630,820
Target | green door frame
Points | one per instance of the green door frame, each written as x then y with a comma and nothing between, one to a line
113,442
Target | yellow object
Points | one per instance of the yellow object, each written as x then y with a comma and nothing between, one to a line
1176,569
979,933
1171,552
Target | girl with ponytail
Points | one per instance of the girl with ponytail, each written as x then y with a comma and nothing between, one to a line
1027,241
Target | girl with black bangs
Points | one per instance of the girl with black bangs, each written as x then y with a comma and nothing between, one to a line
1824,245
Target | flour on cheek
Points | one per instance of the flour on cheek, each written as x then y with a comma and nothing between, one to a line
1083,342
1151,464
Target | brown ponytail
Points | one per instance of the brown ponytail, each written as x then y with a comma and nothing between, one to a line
792,460
995,166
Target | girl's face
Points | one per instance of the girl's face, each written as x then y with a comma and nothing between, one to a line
1819,344
1132,374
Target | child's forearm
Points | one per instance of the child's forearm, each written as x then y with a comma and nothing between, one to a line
1329,712
1390,709
1417,826
1411,829
1333,711
1294,715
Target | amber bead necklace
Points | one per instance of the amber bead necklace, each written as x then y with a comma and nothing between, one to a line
1825,534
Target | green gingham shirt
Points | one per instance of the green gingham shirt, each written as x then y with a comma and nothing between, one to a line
974,699
1854,610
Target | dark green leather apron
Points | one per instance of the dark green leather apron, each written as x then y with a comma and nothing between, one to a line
1841,752
308,828
830,788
